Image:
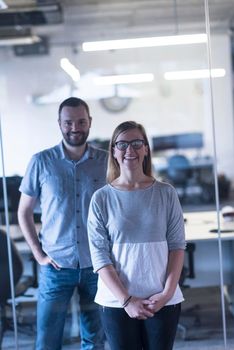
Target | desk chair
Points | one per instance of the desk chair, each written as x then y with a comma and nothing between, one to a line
188,272
179,173
21,283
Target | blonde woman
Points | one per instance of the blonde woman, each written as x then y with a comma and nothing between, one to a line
136,237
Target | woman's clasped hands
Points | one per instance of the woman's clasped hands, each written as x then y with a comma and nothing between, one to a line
142,309
139,308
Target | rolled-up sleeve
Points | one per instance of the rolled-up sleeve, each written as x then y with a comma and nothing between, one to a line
99,242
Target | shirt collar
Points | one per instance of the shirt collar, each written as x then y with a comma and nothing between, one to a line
88,154
61,151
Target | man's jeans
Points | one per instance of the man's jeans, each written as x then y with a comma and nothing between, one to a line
125,333
55,291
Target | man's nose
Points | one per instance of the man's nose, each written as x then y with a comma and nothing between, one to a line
75,127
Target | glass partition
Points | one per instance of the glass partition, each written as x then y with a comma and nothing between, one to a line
180,114
222,114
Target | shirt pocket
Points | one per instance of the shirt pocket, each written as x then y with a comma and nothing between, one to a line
55,187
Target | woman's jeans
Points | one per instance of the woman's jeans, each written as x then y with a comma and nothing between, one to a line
155,333
55,291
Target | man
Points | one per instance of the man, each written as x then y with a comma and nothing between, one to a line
64,178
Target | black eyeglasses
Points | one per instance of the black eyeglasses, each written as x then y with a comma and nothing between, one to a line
135,144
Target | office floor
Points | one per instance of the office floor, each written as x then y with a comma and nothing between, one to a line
201,317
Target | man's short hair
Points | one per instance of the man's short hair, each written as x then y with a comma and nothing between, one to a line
73,102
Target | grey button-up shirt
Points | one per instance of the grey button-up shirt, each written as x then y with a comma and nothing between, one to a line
64,188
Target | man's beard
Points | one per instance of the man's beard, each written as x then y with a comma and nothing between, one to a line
76,139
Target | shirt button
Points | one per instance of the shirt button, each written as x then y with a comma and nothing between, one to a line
78,242
78,211
77,195
77,226
77,179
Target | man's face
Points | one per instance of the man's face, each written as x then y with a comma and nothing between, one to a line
74,124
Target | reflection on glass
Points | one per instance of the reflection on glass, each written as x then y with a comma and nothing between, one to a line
224,147
167,109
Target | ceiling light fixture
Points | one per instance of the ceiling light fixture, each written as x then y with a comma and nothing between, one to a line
144,42
20,40
195,74
3,5
70,69
123,79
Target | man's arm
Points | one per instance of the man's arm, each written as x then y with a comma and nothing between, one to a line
27,225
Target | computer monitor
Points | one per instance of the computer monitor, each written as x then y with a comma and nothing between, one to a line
178,141
103,144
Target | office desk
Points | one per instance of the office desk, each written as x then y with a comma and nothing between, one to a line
199,224
206,255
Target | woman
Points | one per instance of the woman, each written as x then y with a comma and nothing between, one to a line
136,236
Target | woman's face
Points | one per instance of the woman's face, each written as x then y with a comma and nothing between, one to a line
130,155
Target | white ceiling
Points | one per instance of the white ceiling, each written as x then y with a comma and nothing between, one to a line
90,20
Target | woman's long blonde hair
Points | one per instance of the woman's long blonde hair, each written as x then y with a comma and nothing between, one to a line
113,170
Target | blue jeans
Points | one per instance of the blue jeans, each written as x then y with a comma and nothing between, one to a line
155,333
55,291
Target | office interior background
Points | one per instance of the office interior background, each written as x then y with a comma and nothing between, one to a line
188,116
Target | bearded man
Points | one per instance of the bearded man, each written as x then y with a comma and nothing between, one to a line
63,178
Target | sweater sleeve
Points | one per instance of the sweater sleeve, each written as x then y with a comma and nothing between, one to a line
175,226
99,242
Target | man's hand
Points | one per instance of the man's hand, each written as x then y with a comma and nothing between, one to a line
46,260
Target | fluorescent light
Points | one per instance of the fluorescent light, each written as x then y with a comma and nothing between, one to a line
123,79
144,42
21,40
195,74
3,5
70,69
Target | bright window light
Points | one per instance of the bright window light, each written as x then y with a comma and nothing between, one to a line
3,5
24,40
144,42
195,74
124,79
70,69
